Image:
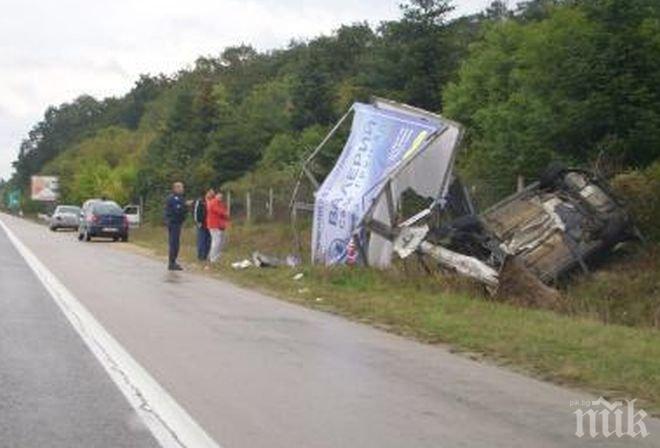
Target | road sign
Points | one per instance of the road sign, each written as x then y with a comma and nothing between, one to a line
14,199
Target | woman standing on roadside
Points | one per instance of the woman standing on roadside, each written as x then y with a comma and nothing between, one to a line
199,216
217,219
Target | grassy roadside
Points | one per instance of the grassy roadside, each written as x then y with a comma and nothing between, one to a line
614,360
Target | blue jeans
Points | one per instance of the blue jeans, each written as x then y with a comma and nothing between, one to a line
203,243
174,233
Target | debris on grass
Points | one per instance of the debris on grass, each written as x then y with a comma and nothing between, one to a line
243,264
262,260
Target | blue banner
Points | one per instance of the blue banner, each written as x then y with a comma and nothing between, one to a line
380,140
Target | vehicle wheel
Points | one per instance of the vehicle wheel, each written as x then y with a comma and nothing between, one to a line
115,238
52,229
124,238
87,236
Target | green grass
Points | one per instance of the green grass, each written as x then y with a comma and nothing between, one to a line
614,360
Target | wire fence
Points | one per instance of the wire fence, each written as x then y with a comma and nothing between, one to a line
258,205
267,200
264,204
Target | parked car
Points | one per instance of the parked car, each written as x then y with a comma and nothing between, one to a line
64,217
134,215
102,219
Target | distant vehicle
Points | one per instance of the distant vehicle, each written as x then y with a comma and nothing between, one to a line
103,219
134,215
64,217
88,202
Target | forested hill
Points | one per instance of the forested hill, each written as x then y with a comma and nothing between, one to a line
575,80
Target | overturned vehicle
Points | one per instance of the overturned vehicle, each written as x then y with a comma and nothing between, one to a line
549,228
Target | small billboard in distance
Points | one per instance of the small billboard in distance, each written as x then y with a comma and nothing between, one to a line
45,188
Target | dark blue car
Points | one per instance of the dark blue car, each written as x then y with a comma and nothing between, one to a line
102,219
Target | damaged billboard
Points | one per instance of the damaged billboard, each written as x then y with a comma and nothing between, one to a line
381,140
391,148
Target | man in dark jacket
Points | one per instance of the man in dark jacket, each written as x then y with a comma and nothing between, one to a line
175,214
203,235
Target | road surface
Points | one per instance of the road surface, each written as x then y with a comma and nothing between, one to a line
251,370
53,392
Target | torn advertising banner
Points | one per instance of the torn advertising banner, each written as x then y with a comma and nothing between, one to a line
44,188
380,141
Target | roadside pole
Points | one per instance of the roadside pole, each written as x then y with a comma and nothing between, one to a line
270,204
248,207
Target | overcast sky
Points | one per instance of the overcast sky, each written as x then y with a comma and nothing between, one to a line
52,51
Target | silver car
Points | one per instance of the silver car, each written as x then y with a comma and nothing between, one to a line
65,217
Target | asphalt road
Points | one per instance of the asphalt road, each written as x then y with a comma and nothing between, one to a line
53,392
254,371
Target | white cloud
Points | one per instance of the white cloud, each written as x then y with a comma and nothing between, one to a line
53,51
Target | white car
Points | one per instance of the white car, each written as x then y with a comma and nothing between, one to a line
133,214
64,217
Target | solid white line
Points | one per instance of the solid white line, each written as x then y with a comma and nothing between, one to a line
166,419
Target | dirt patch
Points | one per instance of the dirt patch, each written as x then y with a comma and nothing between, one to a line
521,287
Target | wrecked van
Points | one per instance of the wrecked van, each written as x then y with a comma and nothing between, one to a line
561,222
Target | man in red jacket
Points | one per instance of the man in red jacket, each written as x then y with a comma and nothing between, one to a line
217,218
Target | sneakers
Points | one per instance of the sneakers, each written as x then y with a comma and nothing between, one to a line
175,267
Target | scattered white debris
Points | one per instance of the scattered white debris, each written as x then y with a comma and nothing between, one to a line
242,264
319,299
292,261
298,276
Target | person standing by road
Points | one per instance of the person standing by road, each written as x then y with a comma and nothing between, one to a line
199,216
217,218
175,214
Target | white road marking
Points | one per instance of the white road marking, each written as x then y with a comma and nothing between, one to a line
170,424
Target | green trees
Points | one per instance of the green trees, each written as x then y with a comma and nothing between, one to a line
60,127
287,150
103,165
238,143
578,85
553,79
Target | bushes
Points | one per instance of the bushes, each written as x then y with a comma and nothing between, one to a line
640,189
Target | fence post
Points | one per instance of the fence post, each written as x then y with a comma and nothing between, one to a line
248,207
270,203
520,183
